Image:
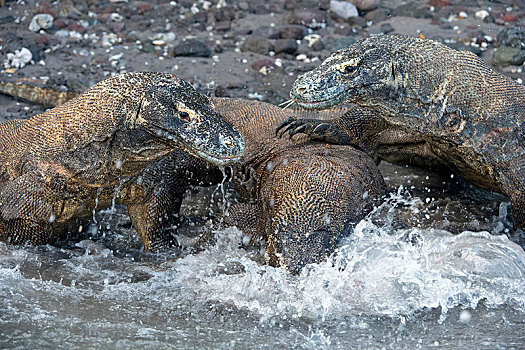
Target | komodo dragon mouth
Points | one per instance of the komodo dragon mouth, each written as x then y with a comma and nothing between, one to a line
311,97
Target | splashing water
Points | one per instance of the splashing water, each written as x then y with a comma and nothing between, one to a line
385,286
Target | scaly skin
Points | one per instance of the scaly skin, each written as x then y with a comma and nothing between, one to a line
469,116
301,197
60,165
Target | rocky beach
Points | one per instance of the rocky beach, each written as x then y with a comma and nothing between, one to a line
437,265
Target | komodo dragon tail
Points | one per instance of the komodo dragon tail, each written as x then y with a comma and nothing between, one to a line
47,97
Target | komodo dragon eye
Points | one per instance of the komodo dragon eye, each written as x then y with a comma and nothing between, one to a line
184,116
349,69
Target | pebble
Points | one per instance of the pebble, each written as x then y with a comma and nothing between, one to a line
308,17
334,44
192,48
18,59
512,37
41,21
366,5
163,38
41,39
293,31
481,14
285,46
343,9
258,65
376,16
412,9
506,55
258,45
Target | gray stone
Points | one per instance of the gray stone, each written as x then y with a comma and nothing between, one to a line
334,44
343,9
293,31
288,46
193,48
376,16
258,45
512,37
41,21
412,9
505,55
308,17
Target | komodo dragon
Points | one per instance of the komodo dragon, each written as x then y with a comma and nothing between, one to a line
305,196
301,197
113,140
469,116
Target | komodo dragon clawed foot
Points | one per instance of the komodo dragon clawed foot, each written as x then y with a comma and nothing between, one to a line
315,129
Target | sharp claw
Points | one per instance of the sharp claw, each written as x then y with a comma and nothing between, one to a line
321,127
298,130
283,124
288,127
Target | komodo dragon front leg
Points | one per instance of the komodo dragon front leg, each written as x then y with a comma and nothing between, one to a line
26,209
362,127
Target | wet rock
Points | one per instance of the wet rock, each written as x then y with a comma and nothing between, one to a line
59,23
131,37
366,5
226,13
258,45
201,17
45,8
412,9
343,30
7,19
288,46
258,65
223,26
42,40
386,28
41,21
376,16
440,3
324,5
343,9
143,7
193,48
308,17
19,58
357,22
334,44
512,37
462,47
293,31
119,27
76,28
510,18
221,91
147,47
505,55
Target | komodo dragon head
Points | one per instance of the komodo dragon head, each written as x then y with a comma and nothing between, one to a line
359,73
174,111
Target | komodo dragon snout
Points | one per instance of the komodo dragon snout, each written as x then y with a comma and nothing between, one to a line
177,113
353,73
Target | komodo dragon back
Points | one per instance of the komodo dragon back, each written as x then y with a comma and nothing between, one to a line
307,195
470,116
60,165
